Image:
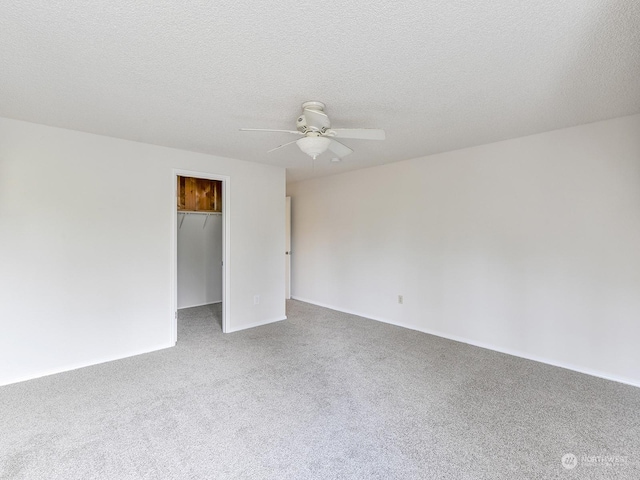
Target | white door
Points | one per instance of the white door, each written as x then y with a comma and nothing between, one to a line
287,249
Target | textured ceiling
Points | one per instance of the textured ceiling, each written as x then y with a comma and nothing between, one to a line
436,75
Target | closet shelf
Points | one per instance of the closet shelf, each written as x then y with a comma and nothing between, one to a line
198,212
195,212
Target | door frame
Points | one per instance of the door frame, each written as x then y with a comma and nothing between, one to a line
226,244
287,253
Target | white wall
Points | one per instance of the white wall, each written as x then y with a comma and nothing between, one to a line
85,246
199,259
529,246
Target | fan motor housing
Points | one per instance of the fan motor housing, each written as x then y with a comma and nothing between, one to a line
312,123
302,125
313,118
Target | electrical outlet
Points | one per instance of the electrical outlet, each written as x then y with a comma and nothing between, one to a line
400,299
256,299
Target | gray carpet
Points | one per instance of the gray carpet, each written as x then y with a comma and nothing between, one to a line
323,395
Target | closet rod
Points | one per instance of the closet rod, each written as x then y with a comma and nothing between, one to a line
198,213
184,215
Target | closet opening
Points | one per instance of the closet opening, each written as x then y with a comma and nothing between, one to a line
201,253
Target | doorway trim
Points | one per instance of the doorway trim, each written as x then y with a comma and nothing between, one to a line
226,245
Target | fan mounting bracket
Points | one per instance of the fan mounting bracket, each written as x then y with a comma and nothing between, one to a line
318,106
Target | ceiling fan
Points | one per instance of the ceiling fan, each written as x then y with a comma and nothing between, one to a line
318,136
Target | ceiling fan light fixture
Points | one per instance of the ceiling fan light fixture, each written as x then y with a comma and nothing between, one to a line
318,136
314,146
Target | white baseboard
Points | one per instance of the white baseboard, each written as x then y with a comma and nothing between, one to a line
67,368
201,304
508,351
257,324
350,312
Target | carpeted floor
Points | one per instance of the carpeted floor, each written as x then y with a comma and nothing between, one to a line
323,395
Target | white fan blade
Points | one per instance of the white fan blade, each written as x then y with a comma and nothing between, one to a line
357,133
280,146
270,130
339,149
